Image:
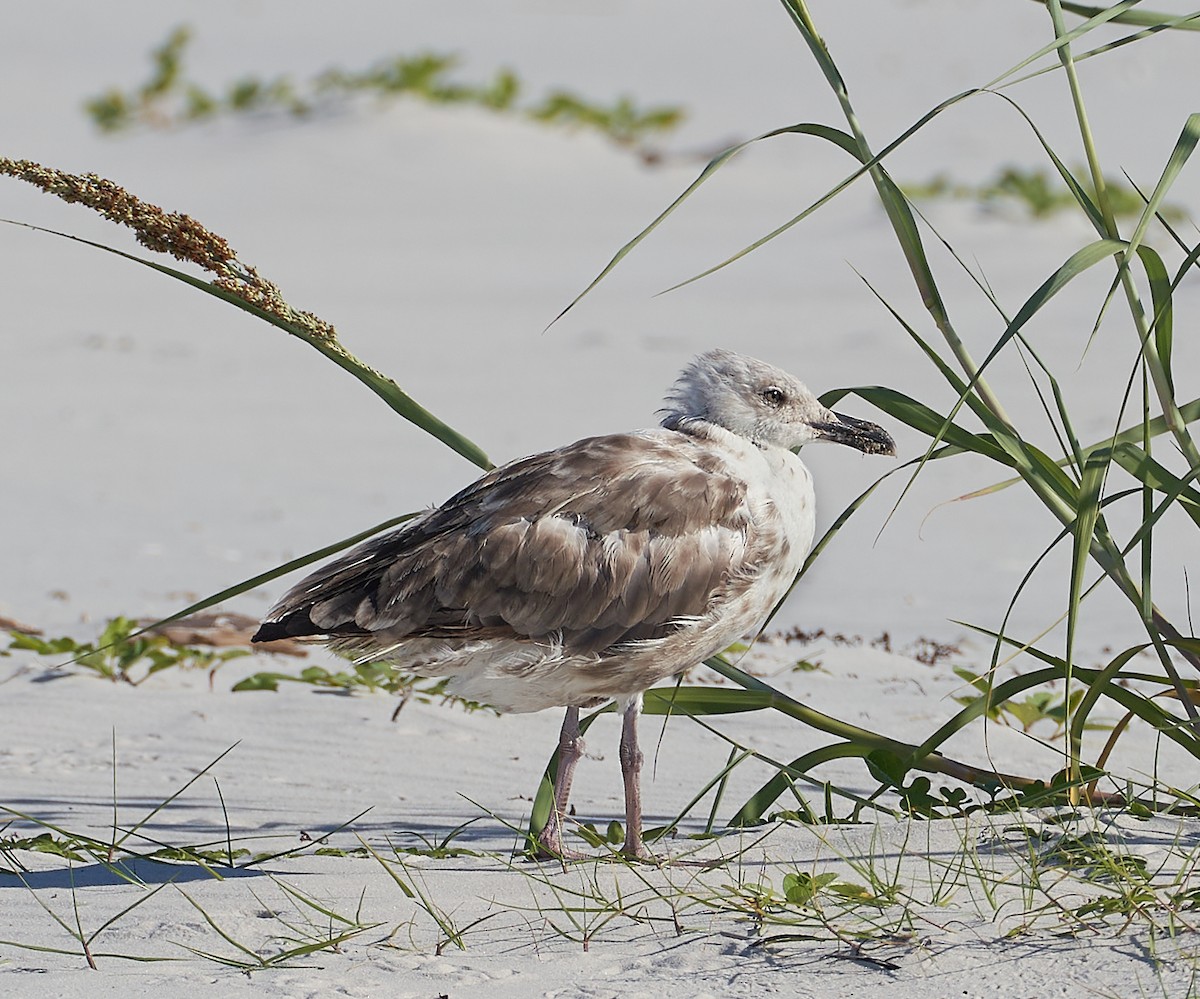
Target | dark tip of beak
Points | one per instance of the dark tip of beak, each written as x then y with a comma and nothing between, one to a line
869,438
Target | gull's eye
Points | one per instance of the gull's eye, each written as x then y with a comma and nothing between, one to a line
773,396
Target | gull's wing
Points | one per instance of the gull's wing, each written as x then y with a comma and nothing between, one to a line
608,540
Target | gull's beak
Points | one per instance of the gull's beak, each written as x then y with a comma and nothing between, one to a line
869,438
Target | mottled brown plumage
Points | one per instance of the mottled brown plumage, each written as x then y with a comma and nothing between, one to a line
596,570
591,546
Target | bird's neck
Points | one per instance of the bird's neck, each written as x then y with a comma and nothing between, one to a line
697,426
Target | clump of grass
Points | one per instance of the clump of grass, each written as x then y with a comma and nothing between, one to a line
1075,481
124,858
310,927
1035,872
412,884
124,653
1056,706
168,98
808,908
443,848
72,925
1075,873
372,677
878,896
1040,192
586,901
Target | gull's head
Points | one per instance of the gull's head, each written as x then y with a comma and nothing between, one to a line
763,404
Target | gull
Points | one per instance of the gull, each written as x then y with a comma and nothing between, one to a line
589,573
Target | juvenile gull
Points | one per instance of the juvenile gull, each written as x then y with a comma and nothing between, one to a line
592,572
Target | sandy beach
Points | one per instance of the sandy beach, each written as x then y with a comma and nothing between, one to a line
958,918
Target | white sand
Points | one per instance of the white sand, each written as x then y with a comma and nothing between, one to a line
305,763
160,445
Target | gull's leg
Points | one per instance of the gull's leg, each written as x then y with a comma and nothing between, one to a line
570,749
631,770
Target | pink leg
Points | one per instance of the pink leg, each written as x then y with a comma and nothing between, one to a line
570,749
631,770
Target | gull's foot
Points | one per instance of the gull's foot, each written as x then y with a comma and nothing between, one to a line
635,849
646,857
551,848
563,855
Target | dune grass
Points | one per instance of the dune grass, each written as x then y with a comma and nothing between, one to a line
134,860
1079,483
876,893
168,98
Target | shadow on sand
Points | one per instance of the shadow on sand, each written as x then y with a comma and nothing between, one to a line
135,870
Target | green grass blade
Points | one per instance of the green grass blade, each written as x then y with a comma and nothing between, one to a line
921,418
1161,287
1147,18
713,165
1075,265
842,518
1168,725
281,570
1091,485
835,136
850,733
689,700
1101,16
1002,435
1188,22
1190,412
1185,145
893,201
40,949
1158,338
839,522
1157,477
263,577
1082,198
124,912
171,797
974,402
1036,467
253,959
293,850
753,810
380,384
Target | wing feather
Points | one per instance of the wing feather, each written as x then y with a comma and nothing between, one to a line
609,540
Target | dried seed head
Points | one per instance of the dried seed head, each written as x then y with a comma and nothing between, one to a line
173,233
